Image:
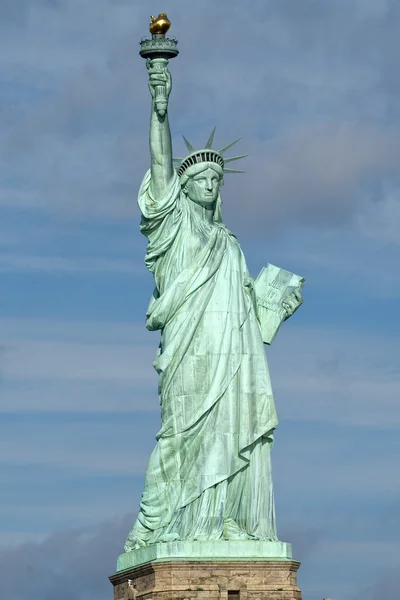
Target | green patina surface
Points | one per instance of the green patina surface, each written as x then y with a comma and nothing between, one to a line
206,551
208,485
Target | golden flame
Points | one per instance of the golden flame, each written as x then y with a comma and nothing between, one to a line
159,25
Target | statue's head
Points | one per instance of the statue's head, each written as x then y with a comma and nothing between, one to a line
202,173
201,182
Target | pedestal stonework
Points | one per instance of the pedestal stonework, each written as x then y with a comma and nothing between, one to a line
239,580
247,570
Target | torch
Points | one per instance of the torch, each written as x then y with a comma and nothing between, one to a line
159,49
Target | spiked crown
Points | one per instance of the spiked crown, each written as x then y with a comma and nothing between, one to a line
206,154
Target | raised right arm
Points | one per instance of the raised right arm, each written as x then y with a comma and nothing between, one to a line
162,169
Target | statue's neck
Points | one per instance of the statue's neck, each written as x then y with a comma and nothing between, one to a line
205,214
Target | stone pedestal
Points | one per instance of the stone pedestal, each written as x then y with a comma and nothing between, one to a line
219,570
239,580
270,580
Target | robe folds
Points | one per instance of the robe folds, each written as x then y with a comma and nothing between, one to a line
212,457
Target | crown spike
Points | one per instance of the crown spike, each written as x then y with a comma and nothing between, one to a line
210,140
229,146
207,154
188,145
226,160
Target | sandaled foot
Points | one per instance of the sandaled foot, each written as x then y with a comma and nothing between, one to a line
233,532
136,538
133,543
170,537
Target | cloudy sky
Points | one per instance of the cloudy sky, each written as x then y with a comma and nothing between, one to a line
313,88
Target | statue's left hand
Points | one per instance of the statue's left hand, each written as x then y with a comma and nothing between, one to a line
292,303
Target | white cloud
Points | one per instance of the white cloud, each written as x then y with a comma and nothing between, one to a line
369,549
83,143
76,447
344,377
381,220
353,565
19,198
344,264
50,365
321,472
333,375
77,396
87,332
386,584
59,264
67,360
89,554
315,174
16,538
73,454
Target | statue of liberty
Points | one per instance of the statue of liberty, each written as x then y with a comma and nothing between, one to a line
209,476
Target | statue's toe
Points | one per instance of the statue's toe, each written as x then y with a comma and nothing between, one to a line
170,537
133,543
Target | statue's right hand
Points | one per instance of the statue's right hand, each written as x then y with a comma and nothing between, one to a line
158,77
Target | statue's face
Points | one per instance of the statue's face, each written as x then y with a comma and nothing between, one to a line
203,188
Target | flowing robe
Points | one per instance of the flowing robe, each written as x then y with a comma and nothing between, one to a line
212,458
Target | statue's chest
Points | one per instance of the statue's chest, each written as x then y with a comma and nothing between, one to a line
197,241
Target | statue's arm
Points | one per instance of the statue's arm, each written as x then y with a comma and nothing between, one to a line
162,169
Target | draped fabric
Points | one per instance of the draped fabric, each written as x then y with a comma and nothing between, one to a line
211,463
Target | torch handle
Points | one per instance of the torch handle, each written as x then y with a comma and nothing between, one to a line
160,64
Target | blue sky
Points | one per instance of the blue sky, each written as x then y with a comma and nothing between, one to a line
313,88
